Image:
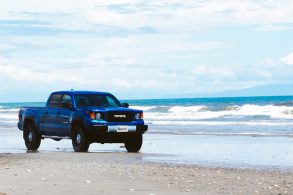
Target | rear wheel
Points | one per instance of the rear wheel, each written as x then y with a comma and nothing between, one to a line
134,145
31,138
80,142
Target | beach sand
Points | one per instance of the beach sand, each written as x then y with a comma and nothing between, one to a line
125,173
194,165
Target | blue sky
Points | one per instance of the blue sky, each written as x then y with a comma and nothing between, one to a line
143,49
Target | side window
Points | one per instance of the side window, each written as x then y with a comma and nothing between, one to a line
66,99
55,100
81,101
111,102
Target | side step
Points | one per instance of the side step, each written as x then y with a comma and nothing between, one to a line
56,138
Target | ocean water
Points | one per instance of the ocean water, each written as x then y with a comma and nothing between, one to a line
207,131
256,116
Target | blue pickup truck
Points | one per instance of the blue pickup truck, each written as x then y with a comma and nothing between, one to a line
85,117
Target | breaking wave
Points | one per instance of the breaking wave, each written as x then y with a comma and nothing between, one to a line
202,112
8,116
222,123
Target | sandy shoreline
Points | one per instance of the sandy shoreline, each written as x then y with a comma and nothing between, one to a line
268,152
194,165
123,173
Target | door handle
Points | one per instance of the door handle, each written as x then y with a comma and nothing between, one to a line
58,113
46,112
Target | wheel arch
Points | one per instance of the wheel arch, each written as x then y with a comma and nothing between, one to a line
29,120
76,122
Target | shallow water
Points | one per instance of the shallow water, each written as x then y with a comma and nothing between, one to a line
270,116
211,150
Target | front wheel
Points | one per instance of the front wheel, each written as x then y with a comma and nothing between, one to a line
31,138
134,145
80,142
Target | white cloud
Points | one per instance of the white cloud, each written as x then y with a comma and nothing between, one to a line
267,62
221,72
273,70
160,14
271,28
288,59
138,47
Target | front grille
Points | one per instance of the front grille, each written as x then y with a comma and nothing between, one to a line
120,116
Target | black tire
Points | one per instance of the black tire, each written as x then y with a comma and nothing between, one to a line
32,139
134,145
80,141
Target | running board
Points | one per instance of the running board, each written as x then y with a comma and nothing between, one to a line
55,137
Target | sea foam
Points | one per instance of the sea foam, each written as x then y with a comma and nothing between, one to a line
204,112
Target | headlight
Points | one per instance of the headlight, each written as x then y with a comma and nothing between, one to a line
95,116
98,116
138,116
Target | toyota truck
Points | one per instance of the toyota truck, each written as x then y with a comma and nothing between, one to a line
85,117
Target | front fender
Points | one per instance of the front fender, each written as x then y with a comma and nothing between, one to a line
78,120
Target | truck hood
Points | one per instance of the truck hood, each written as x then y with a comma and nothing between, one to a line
101,109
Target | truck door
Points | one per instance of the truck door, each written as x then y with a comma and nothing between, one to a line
50,125
63,116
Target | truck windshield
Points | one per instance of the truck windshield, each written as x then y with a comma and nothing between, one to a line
96,100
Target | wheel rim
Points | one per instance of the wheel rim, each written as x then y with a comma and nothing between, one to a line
78,138
30,136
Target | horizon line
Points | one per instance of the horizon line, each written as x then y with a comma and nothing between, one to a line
169,98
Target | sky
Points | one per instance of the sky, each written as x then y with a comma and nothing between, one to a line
143,49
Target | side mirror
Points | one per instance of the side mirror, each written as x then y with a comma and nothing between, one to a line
65,105
125,105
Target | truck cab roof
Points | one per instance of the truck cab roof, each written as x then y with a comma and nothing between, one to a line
80,92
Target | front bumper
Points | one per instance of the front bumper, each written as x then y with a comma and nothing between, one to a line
109,133
104,129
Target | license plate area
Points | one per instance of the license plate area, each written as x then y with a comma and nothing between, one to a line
122,128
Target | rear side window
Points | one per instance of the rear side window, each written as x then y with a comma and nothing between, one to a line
55,100
66,99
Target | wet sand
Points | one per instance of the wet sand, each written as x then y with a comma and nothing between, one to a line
167,164
204,150
123,173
